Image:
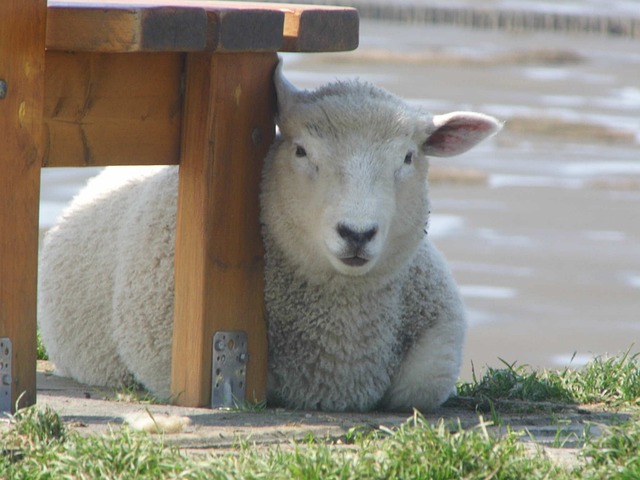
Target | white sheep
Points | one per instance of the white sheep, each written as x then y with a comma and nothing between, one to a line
362,311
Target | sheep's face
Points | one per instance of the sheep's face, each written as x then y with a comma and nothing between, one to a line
345,188
343,179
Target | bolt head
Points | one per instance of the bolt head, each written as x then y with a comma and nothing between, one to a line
256,136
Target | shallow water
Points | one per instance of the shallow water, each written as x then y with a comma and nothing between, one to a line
546,245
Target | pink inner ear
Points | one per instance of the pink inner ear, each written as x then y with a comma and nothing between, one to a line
457,135
447,139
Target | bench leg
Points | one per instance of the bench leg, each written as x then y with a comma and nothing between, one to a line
22,23
228,126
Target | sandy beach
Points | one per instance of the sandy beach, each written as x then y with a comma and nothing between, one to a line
541,224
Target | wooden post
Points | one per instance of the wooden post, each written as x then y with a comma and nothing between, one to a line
228,125
22,40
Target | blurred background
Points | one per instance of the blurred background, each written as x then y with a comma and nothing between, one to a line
541,224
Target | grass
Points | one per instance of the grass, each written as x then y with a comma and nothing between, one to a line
37,448
42,426
133,392
38,445
617,451
611,380
415,450
41,352
515,383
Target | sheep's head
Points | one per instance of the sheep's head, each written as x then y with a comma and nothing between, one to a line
345,188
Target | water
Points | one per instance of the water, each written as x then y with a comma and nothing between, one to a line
546,245
59,186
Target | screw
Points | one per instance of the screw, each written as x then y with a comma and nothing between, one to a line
220,344
6,379
3,89
243,357
256,136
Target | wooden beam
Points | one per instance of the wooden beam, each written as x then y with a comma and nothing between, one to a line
310,29
227,129
22,27
112,109
197,25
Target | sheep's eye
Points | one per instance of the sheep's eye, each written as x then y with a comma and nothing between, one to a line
408,159
300,152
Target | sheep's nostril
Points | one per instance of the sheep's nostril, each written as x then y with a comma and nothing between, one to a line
357,237
369,234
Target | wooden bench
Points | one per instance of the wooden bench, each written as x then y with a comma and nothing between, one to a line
148,83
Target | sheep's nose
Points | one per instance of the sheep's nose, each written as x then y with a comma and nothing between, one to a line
357,238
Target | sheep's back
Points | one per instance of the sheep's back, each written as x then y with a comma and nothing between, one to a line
76,278
143,282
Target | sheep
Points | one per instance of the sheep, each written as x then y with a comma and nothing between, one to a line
362,311
105,294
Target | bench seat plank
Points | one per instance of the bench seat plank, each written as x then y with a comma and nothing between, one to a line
195,25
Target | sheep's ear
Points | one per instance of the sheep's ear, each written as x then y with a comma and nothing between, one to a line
457,132
285,91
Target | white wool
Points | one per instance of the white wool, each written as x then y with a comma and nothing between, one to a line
76,279
362,310
156,422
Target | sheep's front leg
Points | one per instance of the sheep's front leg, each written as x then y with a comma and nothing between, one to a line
430,369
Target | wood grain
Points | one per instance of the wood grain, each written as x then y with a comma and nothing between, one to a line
227,129
112,109
320,29
161,26
22,27
196,25
126,29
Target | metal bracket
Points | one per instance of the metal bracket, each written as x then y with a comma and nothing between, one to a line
5,374
230,357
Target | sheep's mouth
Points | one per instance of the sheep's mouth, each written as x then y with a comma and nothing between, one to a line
354,261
